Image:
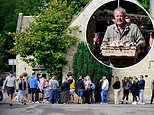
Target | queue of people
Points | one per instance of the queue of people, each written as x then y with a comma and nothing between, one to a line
39,90
79,91
134,85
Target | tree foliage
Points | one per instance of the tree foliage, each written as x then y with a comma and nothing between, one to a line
47,39
145,4
9,11
3,65
85,64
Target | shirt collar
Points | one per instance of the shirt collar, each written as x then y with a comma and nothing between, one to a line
125,28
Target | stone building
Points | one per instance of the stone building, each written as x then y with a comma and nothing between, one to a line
145,67
152,8
20,65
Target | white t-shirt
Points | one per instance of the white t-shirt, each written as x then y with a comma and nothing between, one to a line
105,85
10,82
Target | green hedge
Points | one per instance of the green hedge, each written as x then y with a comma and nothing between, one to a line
85,64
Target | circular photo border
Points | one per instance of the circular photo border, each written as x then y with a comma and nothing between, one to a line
110,14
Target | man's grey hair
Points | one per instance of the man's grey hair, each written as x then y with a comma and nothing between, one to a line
120,9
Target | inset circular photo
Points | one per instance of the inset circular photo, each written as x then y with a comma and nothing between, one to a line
119,34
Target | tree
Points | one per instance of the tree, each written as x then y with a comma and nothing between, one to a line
3,65
9,10
81,3
47,39
85,64
145,4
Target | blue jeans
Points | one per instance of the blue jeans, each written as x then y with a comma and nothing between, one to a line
104,95
53,96
80,92
142,95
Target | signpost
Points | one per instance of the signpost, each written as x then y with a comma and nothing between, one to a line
13,63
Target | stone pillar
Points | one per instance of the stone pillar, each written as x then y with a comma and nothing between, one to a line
19,23
152,8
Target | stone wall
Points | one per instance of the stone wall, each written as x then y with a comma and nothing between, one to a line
145,67
21,66
152,8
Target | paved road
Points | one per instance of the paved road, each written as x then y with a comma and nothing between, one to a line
76,109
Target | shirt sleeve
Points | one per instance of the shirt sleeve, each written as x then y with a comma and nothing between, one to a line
139,37
16,83
57,84
104,85
106,37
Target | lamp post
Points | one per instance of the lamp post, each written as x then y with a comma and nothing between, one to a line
118,3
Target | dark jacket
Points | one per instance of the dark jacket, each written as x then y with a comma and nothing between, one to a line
20,85
126,85
141,84
65,86
134,87
116,85
80,84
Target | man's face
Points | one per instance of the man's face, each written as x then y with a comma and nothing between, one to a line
119,18
11,74
70,78
104,78
140,78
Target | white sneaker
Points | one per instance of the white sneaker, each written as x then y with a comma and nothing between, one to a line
44,101
143,103
134,103
37,102
47,102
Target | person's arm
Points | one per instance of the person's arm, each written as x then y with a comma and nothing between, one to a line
36,82
57,83
119,85
114,85
29,81
49,83
19,81
106,35
139,38
62,86
16,83
144,83
152,84
104,85
26,81
39,85
105,38
150,40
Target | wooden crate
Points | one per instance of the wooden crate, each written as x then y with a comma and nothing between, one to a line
119,53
